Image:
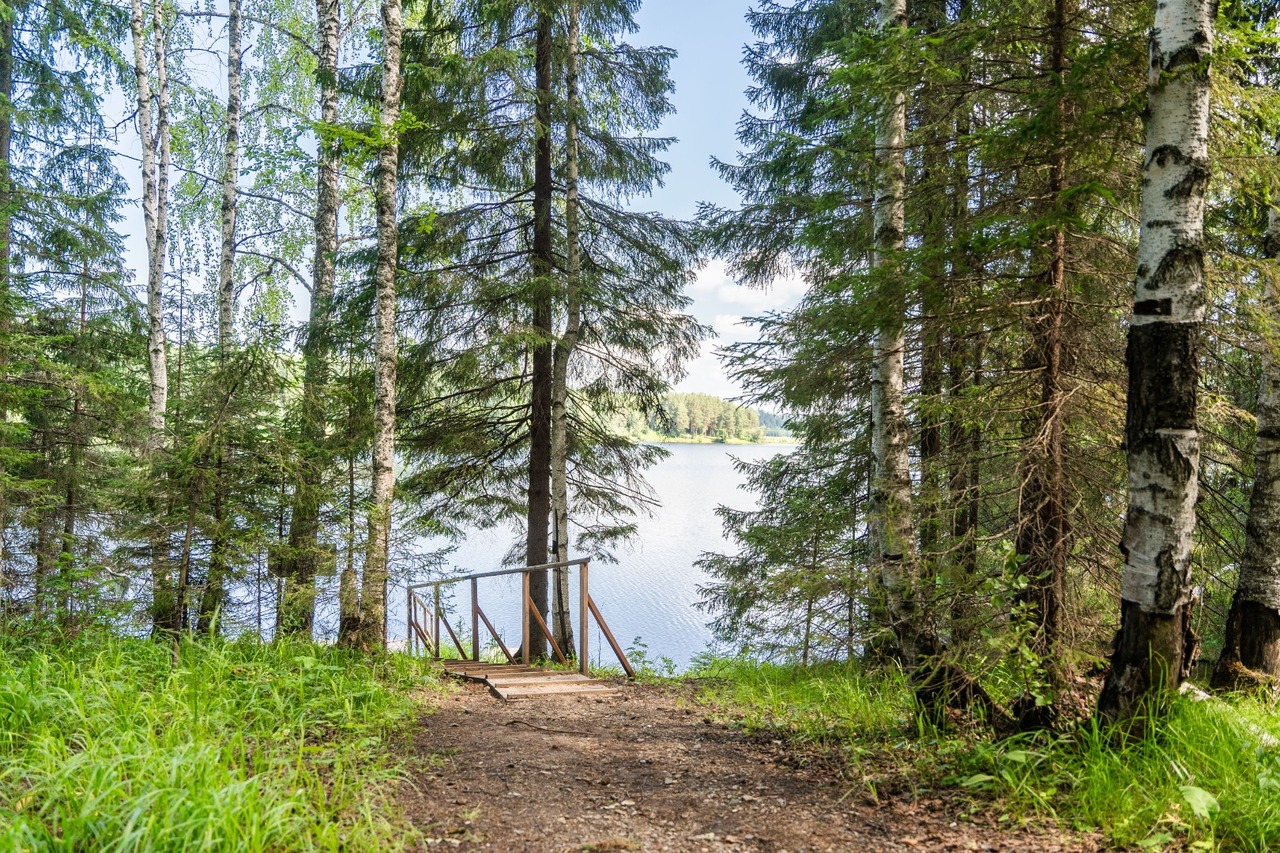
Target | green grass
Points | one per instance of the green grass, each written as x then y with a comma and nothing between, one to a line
107,743
1203,778
823,704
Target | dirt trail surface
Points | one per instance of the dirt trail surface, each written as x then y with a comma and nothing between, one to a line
648,769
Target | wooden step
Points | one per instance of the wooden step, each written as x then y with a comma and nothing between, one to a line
514,681
530,691
539,678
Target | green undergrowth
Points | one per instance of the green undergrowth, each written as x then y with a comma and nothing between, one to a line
1205,777
110,743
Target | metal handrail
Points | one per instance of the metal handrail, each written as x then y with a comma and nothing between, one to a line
417,631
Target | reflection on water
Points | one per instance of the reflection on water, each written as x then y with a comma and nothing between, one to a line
650,592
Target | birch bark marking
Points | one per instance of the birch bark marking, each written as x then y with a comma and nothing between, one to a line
892,524
299,568
373,596
1251,651
1154,646
562,626
539,494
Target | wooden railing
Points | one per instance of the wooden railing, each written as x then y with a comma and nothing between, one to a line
425,618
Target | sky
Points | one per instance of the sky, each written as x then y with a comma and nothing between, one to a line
709,98
709,36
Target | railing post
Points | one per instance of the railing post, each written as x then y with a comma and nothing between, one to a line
584,597
475,620
408,620
435,634
524,618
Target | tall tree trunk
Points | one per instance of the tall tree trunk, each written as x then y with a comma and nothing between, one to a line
230,172
933,298
1251,649
1043,525
302,556
1155,644
75,461
156,343
540,404
964,374
562,623
349,582
6,238
373,595
154,214
894,534
214,591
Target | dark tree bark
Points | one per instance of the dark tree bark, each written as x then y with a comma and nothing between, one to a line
1251,649
1043,522
539,493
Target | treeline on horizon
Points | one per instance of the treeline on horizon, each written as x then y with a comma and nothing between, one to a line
704,416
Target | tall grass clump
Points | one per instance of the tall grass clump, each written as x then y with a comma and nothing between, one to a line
1203,776
123,744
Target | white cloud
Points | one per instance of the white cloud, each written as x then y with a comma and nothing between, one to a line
723,305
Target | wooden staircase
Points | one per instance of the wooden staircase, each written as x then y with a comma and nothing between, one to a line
428,624
514,681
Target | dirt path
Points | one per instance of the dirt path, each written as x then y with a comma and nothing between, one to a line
645,769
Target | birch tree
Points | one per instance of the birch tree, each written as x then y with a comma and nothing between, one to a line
373,593
303,553
892,523
1155,644
167,605
1251,647
230,171
154,134
214,592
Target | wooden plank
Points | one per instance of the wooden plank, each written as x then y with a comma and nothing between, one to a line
515,680
558,674
493,632
485,673
608,635
546,632
509,693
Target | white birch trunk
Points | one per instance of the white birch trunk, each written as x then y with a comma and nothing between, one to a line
892,524
1155,644
1169,295
154,192
373,597
230,171
562,626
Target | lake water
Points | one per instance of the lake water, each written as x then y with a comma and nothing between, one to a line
650,592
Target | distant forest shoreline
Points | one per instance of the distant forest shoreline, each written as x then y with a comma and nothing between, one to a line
704,419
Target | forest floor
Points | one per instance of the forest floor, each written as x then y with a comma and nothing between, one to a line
652,768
